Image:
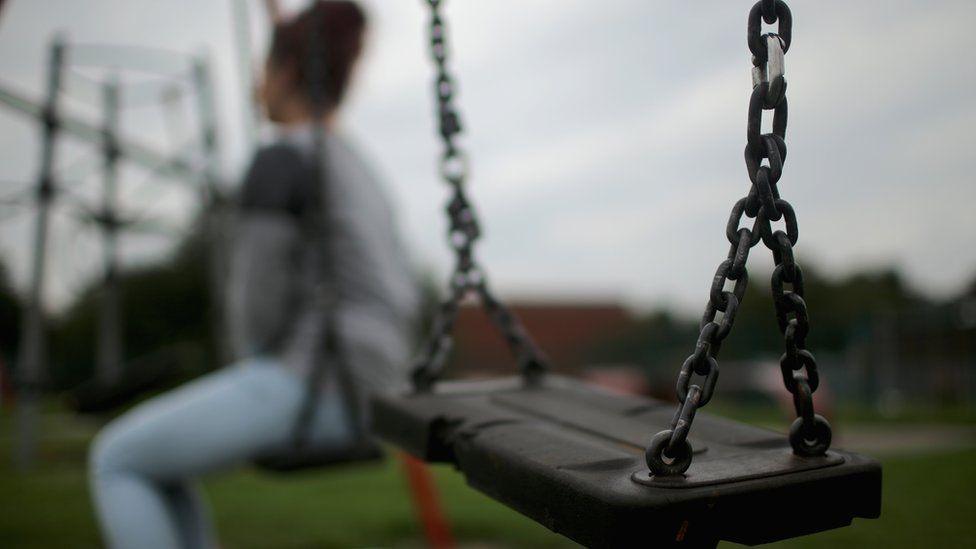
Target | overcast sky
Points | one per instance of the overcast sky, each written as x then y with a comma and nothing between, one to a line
606,137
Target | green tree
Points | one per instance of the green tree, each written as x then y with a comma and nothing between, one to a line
167,322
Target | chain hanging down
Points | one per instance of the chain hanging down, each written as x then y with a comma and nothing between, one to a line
669,452
467,277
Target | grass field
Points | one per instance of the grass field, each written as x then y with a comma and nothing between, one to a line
928,501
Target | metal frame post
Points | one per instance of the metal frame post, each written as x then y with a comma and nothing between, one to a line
31,370
214,208
109,359
242,41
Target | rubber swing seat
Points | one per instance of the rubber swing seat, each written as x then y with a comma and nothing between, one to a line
571,457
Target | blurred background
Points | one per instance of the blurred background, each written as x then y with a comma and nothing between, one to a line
606,143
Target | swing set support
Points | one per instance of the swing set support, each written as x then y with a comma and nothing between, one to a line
426,503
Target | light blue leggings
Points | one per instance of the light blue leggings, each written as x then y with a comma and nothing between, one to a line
143,465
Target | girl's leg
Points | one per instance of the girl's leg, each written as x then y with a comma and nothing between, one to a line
141,463
191,515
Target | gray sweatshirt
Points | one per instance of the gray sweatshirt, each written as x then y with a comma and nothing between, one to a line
277,293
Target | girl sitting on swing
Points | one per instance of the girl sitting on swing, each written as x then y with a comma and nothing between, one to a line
143,465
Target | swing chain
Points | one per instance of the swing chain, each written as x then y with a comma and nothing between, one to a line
669,452
810,434
467,277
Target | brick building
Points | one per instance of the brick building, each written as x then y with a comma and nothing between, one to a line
568,332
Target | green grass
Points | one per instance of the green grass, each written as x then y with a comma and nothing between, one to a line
927,502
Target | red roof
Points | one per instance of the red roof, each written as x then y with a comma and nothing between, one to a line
565,331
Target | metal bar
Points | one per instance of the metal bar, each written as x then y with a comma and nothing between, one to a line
109,351
31,369
206,110
215,216
427,503
137,153
128,57
242,40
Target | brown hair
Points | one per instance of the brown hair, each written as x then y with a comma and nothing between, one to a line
338,26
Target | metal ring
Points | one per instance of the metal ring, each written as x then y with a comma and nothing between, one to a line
460,239
450,121
728,318
803,359
717,293
732,227
684,380
779,278
711,380
739,254
438,45
752,202
454,167
803,398
458,207
795,304
683,420
656,460
703,346
444,88
783,257
776,153
769,11
789,218
774,149
810,440
754,28
790,343
764,189
757,103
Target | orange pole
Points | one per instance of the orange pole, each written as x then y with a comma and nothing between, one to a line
426,502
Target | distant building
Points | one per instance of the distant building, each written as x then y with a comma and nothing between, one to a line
568,332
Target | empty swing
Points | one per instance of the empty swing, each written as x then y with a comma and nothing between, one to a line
580,461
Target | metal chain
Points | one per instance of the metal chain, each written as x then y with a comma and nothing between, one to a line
669,452
468,278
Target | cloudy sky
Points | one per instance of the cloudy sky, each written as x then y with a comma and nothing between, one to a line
606,137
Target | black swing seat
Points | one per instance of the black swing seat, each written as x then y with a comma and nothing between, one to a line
571,457
299,459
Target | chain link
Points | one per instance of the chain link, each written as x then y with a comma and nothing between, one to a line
467,278
669,452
